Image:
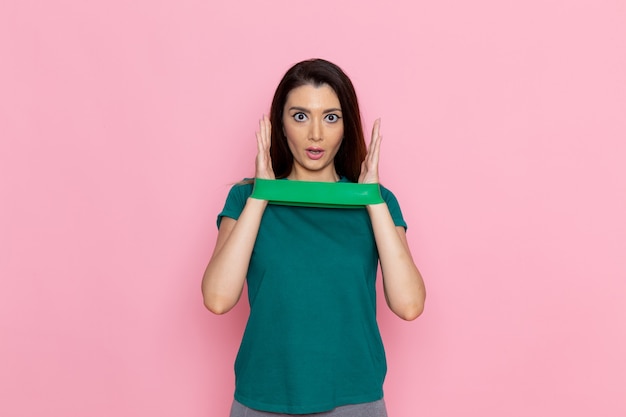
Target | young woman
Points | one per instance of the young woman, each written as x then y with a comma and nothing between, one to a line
312,343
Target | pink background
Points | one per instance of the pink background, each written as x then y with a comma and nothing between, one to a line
123,124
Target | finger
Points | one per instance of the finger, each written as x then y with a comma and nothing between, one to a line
259,142
268,131
363,173
263,133
259,133
373,141
376,152
375,130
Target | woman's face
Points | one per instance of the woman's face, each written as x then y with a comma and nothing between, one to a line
313,125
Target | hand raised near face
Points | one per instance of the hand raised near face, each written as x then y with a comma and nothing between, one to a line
369,166
264,168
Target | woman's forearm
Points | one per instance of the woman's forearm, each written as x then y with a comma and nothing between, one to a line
225,274
404,288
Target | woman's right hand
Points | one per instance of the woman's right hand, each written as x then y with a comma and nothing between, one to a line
264,168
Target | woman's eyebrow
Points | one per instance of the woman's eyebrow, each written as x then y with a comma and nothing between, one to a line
332,110
304,110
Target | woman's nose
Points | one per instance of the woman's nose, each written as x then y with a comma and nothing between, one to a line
315,132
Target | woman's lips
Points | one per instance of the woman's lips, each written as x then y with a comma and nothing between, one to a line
314,153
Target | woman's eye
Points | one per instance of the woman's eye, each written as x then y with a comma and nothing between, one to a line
299,117
332,118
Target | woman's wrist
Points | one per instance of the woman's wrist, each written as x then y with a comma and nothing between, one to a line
373,208
257,202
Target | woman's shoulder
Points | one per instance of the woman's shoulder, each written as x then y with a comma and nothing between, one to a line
243,185
236,199
241,190
389,197
385,191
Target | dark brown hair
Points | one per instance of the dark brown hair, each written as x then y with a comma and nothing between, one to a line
318,72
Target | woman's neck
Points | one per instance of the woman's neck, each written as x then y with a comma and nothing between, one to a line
328,176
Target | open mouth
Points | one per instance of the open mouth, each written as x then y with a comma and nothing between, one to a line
314,153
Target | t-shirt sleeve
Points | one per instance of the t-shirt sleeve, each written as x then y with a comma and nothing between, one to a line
235,202
394,207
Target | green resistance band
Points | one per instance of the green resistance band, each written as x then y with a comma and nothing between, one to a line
317,194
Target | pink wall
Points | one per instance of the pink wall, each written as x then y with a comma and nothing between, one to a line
124,122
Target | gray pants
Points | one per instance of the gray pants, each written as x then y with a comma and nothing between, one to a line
373,409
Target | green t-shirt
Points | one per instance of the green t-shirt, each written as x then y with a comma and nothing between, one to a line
312,341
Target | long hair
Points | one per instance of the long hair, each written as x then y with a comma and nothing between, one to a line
318,72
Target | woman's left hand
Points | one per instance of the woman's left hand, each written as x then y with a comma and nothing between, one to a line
369,167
